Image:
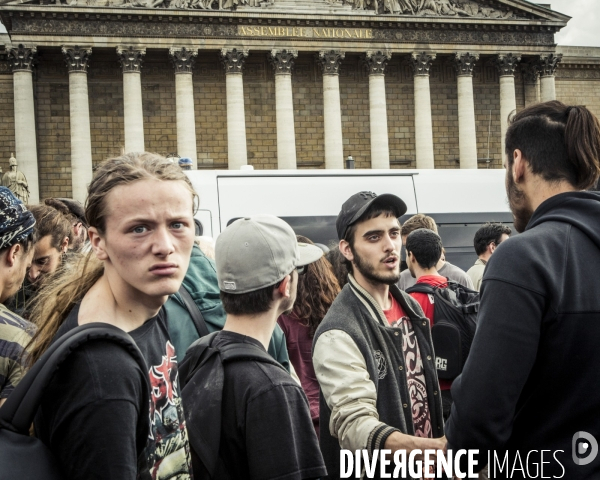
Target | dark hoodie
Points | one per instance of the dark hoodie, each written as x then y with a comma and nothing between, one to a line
532,380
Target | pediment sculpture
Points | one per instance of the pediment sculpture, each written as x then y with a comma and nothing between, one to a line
433,8
443,8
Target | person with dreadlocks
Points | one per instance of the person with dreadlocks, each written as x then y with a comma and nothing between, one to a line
317,289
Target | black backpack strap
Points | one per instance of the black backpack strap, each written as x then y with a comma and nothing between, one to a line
202,377
201,351
245,351
421,288
21,406
194,311
469,298
195,357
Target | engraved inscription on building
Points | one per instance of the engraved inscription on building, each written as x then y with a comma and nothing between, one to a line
305,32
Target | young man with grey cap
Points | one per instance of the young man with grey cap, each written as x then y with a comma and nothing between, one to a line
372,352
16,241
248,418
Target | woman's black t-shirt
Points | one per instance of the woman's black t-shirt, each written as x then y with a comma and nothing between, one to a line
89,414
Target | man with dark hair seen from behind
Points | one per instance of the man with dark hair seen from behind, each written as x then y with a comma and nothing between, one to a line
531,382
253,420
372,352
79,224
16,251
486,240
423,250
444,268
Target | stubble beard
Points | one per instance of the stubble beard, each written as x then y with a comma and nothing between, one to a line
368,271
518,203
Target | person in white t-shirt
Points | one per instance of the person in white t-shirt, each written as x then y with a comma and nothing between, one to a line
486,240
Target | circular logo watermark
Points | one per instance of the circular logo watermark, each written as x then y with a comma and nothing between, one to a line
585,448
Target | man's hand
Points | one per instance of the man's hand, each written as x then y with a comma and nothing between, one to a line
401,441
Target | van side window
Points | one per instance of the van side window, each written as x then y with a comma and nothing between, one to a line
457,231
199,229
320,229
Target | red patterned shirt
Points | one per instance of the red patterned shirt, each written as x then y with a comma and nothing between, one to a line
415,375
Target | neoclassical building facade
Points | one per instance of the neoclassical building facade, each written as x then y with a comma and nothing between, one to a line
278,84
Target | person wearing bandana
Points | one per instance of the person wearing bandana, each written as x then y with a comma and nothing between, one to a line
17,232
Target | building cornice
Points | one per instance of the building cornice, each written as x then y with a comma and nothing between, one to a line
61,24
173,15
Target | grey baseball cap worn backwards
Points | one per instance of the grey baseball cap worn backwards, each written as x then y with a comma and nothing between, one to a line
357,205
259,251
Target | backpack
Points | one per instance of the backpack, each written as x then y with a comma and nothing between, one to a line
454,324
25,457
202,378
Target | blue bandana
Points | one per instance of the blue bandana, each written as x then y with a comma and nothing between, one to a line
16,222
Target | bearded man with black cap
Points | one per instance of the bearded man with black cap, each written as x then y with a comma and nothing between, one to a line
372,352
16,242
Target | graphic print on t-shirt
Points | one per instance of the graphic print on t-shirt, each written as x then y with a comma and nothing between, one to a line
415,374
167,451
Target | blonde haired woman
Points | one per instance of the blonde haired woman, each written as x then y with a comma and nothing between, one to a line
140,212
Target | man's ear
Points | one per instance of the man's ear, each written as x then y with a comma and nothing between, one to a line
77,229
97,243
64,246
346,251
12,254
519,166
285,287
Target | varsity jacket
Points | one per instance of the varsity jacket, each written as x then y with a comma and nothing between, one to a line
360,367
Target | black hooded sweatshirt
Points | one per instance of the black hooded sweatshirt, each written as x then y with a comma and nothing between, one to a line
532,379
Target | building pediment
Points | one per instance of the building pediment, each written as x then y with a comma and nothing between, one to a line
448,9
492,25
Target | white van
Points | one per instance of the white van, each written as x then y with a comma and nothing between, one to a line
310,200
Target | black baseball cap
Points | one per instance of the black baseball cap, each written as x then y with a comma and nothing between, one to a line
357,205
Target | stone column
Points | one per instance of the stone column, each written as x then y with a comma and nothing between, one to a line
233,61
183,60
77,60
547,65
531,82
380,150
467,134
506,65
131,62
283,62
421,63
330,62
22,60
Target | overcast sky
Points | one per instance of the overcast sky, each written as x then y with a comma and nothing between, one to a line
581,31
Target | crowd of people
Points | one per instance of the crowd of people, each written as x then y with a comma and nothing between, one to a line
266,354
